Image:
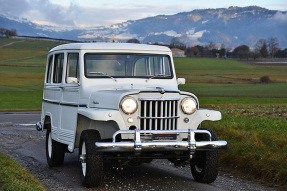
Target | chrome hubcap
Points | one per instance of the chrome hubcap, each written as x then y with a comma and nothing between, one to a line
83,159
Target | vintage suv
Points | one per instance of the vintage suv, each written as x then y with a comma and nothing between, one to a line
121,102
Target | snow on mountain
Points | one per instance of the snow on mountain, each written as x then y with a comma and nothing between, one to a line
247,24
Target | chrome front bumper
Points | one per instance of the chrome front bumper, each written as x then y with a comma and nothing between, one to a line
137,145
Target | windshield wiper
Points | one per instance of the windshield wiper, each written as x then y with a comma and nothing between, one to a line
157,75
102,74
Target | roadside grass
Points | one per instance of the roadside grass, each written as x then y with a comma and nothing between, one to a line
19,101
15,177
256,136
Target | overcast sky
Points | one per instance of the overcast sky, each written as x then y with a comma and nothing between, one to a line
105,12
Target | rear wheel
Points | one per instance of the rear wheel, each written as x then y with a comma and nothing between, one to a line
91,162
55,151
204,166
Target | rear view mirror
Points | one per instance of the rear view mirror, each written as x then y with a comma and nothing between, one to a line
180,81
72,80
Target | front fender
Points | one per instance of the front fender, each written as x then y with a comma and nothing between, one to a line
103,115
203,115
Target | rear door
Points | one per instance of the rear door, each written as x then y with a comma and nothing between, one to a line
53,91
69,101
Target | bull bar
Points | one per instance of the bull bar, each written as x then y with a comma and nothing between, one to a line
137,145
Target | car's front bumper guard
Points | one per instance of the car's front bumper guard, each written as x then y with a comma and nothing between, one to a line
190,145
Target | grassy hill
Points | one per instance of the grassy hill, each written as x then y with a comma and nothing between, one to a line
22,67
214,81
231,81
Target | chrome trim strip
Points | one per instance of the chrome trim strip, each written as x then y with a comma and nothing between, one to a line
159,99
64,103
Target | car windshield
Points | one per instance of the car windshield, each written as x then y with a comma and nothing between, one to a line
127,66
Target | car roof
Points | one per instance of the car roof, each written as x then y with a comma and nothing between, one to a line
111,46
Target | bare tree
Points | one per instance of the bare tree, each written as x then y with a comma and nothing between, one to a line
2,31
211,45
8,33
272,46
259,44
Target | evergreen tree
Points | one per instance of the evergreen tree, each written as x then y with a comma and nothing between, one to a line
263,50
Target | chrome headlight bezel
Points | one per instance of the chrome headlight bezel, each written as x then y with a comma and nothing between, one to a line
192,104
127,101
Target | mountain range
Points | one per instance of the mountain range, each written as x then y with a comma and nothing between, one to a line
231,26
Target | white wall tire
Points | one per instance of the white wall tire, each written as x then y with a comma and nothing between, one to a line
55,151
90,162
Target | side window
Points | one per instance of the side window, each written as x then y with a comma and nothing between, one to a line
49,69
58,68
72,73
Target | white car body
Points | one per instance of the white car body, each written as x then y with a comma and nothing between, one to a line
74,104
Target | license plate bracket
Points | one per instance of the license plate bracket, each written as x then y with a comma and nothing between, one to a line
164,137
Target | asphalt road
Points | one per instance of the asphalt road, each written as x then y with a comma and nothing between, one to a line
19,139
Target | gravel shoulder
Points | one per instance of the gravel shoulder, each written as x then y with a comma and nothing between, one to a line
19,139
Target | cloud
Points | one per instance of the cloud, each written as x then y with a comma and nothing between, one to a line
14,7
41,10
280,16
107,15
45,11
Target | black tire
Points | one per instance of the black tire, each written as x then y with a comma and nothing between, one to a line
55,151
90,162
204,167
148,160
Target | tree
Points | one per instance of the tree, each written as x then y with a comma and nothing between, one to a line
211,45
241,52
263,50
133,41
281,53
176,43
192,51
2,31
259,44
272,45
7,33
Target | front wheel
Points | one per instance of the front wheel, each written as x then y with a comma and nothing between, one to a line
91,162
55,151
204,166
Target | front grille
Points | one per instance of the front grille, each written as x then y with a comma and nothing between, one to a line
158,114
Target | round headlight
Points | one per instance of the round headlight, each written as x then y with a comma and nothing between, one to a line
129,105
188,105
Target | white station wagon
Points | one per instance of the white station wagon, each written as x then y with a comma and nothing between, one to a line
121,102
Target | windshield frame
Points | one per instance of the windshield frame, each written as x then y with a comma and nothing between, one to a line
137,54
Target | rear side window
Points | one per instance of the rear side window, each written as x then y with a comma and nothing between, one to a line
49,70
72,68
58,68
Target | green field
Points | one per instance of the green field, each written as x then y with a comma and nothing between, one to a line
214,81
22,67
254,114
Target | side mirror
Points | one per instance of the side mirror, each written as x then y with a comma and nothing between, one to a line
180,81
72,80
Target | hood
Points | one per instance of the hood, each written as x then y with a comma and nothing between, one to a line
110,99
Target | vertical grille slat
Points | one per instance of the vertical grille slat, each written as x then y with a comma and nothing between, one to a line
158,114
